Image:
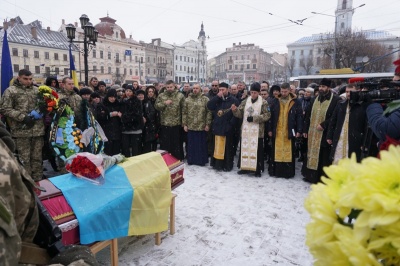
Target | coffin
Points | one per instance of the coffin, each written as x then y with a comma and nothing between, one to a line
58,208
176,168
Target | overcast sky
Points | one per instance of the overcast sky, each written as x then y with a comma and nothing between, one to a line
262,22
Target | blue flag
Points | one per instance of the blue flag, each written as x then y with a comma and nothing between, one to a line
6,67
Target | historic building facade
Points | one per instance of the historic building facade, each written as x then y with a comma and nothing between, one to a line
243,62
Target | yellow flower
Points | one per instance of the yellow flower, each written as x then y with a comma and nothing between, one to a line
45,89
329,254
323,216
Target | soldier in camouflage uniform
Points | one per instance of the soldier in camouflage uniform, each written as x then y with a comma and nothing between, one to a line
170,104
19,219
196,120
72,98
17,104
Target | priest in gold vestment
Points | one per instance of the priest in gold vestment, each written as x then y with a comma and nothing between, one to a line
285,125
317,118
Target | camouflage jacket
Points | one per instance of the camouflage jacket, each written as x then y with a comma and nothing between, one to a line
195,114
18,212
171,115
261,119
17,102
73,100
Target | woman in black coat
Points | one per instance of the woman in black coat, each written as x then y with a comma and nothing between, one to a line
132,124
110,121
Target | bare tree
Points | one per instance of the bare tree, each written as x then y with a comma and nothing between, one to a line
350,45
290,65
307,63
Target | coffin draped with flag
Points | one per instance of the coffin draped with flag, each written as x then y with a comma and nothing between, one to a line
134,200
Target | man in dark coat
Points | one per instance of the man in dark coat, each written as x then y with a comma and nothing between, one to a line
223,126
285,125
317,118
347,128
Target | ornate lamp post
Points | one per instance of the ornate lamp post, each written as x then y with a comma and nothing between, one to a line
89,39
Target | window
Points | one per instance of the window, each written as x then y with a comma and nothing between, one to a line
55,56
130,58
180,68
47,70
318,61
57,70
319,50
248,57
230,67
26,67
25,53
130,72
301,52
236,67
109,70
148,71
36,54
184,68
136,72
176,57
16,68
184,58
117,57
293,52
109,55
154,71
15,52
124,58
65,57
101,54
176,67
148,59
95,69
94,53
192,59
125,71
248,66
117,71
37,69
102,69
311,52
344,4
254,66
342,25
66,71
116,34
242,57
46,55
154,60
180,58
141,59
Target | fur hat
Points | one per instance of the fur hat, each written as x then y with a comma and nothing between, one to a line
223,85
101,83
309,89
326,82
95,95
255,87
274,88
85,91
111,93
140,92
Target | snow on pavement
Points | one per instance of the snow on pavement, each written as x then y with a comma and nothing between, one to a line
223,218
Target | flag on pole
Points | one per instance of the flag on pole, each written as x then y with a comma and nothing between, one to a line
72,69
6,67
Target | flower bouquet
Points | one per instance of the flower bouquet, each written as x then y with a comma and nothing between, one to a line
47,99
91,166
355,214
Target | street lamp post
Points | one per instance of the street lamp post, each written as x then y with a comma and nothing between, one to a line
335,33
89,39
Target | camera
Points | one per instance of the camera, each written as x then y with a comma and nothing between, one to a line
383,91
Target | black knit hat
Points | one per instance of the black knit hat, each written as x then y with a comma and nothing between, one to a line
95,95
255,87
129,87
224,85
111,93
101,83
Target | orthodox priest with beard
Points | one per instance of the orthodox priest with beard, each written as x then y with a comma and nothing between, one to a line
317,118
223,127
285,125
255,112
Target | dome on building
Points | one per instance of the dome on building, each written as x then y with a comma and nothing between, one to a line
107,27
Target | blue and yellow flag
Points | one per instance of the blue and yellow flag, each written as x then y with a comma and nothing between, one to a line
6,67
72,68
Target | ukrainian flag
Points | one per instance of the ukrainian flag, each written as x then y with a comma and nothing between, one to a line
72,68
134,200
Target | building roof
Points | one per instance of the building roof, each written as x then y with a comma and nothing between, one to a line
369,34
22,34
106,27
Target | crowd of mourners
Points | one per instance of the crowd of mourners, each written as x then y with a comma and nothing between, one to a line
274,126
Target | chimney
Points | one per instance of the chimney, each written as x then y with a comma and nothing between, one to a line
12,22
130,36
34,32
48,29
63,22
240,43
76,24
234,44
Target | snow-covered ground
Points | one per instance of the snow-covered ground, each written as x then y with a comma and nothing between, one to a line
228,219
